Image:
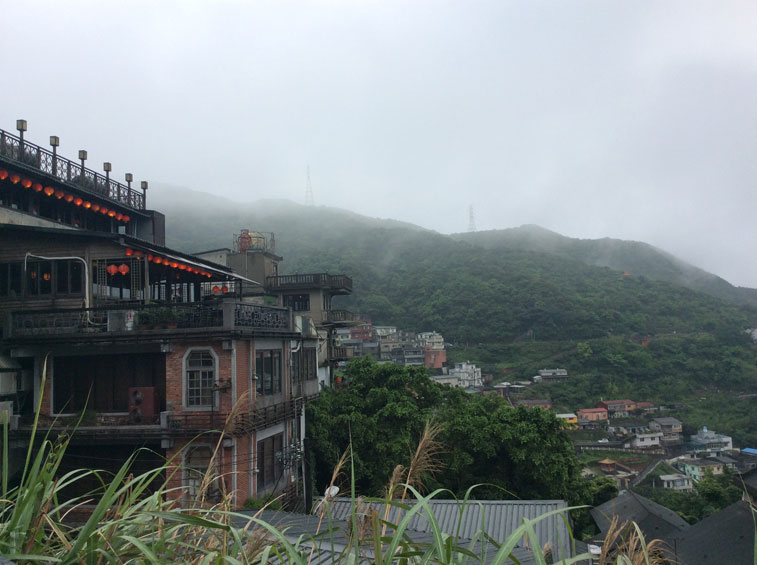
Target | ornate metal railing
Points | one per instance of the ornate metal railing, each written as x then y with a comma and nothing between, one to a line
135,317
68,171
310,280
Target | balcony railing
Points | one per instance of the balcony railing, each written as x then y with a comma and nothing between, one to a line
191,423
69,172
335,283
335,316
227,315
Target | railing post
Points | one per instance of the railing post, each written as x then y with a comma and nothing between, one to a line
229,311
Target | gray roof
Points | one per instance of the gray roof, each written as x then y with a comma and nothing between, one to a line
498,518
667,421
654,520
724,537
312,534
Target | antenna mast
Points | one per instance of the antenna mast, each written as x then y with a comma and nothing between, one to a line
309,191
471,220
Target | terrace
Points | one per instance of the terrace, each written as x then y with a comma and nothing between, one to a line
125,319
15,150
336,284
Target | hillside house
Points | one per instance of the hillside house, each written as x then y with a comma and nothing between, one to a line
569,420
710,442
696,468
671,428
550,375
535,403
676,481
649,440
592,415
617,408
153,345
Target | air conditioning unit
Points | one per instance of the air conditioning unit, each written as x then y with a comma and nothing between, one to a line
144,406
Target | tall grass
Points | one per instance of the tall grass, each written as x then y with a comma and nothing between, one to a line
137,519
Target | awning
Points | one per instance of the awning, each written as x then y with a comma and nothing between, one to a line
190,260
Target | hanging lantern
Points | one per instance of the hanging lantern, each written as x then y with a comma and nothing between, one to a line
46,276
15,178
33,274
26,183
216,289
119,216
78,201
111,213
150,257
138,253
123,268
224,289
158,260
126,218
174,264
95,207
59,194
69,198
3,174
49,190
182,267
129,252
37,187
103,210
87,204
112,269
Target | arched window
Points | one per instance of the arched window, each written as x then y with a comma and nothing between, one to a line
199,380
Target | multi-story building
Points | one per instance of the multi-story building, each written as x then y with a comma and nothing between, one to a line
150,346
710,442
618,408
671,429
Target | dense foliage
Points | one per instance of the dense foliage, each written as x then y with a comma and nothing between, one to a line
382,409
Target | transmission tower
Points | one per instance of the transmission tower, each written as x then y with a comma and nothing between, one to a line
309,201
471,220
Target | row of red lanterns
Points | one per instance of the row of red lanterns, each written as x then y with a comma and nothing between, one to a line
123,268
158,260
217,289
60,195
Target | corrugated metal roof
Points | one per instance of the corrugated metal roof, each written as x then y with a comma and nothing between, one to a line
498,518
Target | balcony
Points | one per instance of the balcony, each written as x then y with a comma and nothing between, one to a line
339,316
67,172
336,284
126,319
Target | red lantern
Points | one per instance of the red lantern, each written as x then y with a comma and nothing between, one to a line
216,289
182,267
129,252
49,190
87,204
78,201
33,274
46,276
26,183
3,174
15,178
119,216
123,268
95,207
173,264
69,198
112,269
150,257
138,253
59,194
224,288
37,187
158,260
103,210
111,213
126,218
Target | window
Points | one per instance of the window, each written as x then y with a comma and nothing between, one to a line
298,302
196,463
268,371
10,280
200,380
304,364
43,278
270,468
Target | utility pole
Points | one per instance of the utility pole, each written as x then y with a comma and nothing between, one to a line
309,201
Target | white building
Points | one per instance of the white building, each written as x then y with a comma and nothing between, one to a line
467,373
647,440
677,481
430,340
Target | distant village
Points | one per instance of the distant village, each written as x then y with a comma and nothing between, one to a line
648,436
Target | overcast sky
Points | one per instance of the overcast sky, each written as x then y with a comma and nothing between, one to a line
635,120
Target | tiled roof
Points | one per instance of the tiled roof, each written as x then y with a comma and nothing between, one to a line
654,520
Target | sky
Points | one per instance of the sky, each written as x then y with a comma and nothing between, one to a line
625,119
